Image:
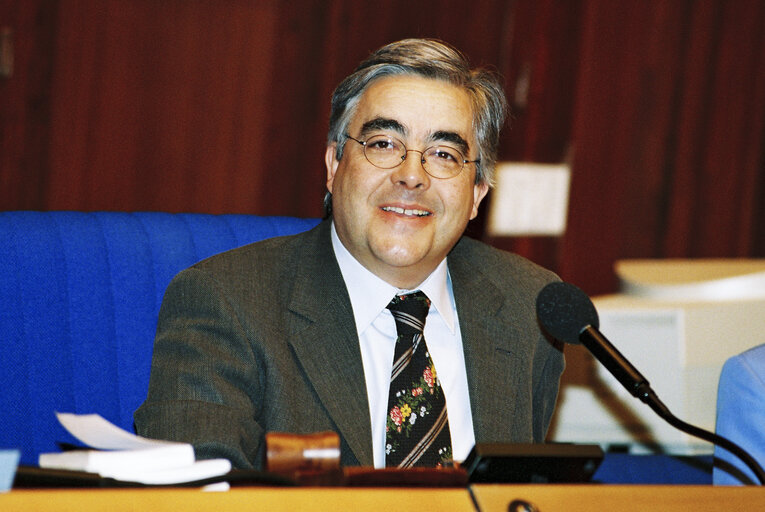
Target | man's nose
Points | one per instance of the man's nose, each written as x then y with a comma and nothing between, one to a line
411,172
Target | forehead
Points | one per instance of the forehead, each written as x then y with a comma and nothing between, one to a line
422,106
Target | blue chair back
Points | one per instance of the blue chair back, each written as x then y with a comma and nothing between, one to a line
79,298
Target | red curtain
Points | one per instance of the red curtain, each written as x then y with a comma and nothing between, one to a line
668,136
221,106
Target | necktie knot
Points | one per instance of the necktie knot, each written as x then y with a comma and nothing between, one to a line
410,311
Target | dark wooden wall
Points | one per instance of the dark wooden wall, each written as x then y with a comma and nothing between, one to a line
221,106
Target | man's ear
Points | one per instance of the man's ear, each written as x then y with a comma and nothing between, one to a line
479,192
331,161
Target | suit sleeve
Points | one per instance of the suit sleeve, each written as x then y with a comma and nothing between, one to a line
741,416
545,397
205,379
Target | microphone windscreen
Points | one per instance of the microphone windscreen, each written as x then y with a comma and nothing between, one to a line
564,311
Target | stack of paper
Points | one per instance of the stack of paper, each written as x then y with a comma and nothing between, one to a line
123,456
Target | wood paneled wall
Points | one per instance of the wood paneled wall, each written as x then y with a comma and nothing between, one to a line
221,106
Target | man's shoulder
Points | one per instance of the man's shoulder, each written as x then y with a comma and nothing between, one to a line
280,251
747,366
502,265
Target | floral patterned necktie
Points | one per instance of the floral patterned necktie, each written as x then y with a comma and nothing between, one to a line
417,426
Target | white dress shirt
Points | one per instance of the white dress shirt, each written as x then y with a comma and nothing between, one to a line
376,329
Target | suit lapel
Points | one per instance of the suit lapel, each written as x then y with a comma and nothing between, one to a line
323,336
490,340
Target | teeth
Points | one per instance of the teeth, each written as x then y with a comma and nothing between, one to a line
410,212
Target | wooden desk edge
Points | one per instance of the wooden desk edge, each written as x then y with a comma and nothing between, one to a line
489,497
584,497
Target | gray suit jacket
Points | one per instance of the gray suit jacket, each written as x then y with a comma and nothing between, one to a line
262,338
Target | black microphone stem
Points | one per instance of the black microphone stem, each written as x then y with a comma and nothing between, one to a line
610,357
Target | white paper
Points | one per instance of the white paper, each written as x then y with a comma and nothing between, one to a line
124,456
96,432
114,462
199,470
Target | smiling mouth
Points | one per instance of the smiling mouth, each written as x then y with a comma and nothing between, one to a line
406,211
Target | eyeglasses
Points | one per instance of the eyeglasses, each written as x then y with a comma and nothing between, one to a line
387,152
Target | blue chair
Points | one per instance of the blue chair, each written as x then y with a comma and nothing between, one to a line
79,298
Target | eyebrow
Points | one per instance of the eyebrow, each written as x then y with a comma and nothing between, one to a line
452,137
383,123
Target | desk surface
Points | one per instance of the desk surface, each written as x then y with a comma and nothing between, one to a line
624,498
547,498
330,499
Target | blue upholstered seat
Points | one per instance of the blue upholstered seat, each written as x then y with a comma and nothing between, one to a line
79,298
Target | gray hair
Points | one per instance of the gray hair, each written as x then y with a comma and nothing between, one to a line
434,59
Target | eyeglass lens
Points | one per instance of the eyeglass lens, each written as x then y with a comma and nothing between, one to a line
388,152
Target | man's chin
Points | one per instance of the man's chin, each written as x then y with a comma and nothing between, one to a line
405,262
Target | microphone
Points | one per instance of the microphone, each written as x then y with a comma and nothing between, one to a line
568,315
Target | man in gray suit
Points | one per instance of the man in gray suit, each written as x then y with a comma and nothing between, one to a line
293,335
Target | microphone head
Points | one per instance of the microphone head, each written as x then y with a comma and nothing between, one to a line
564,311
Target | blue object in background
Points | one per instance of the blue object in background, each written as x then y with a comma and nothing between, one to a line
9,461
741,416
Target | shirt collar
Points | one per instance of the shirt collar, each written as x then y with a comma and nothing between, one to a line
370,295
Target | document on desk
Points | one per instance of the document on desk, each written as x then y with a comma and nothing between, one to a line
124,456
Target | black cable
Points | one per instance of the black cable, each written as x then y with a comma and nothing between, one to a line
663,411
